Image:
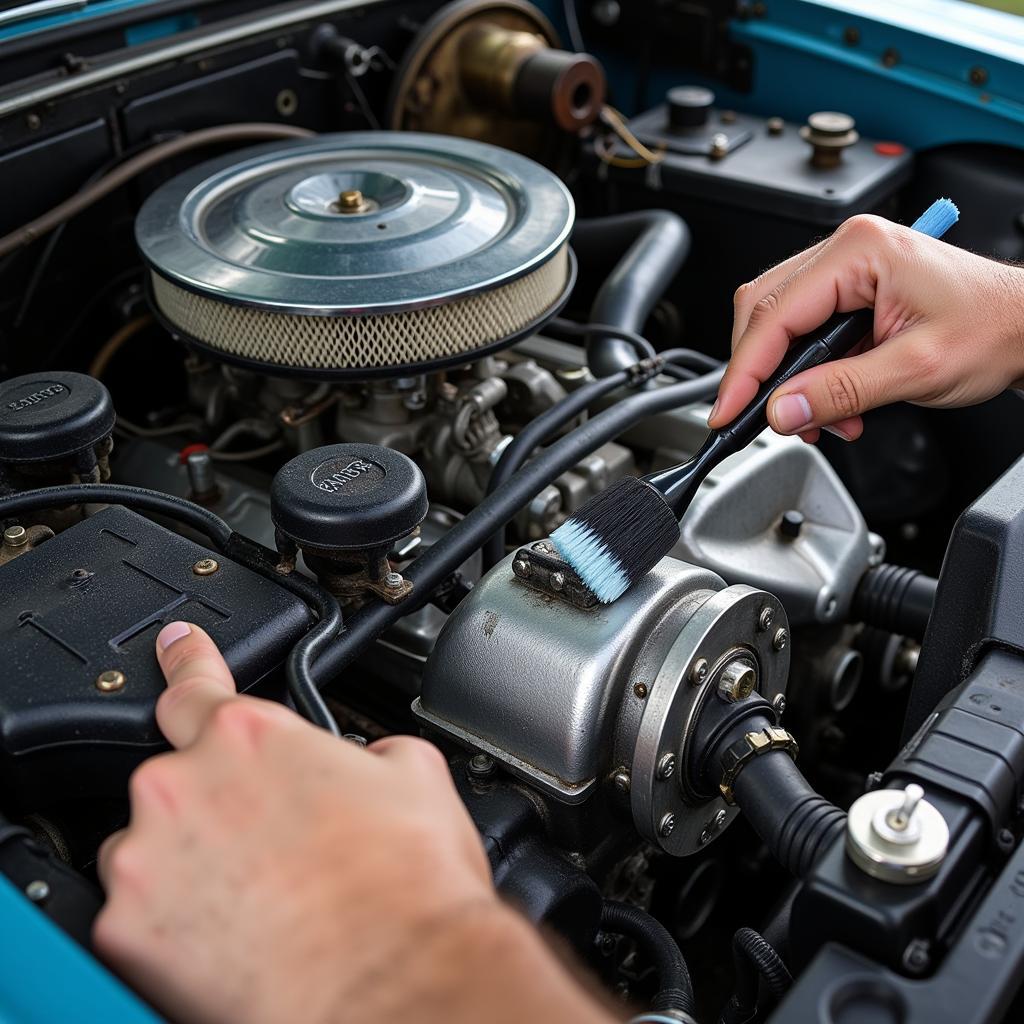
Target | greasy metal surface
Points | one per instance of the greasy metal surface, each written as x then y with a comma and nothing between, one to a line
446,218
538,683
722,629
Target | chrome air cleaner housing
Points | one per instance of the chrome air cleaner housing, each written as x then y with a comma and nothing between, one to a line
362,254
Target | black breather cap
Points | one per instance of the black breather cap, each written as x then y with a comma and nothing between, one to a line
348,497
52,415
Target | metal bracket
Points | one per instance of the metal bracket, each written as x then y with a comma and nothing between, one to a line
539,566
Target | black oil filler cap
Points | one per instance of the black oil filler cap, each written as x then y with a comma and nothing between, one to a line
52,415
346,497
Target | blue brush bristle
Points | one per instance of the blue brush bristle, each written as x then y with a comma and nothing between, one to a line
937,219
592,560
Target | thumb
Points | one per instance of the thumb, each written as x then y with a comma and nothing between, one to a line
837,393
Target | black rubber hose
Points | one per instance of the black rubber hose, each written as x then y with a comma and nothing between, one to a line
754,959
299,666
896,599
455,546
794,822
655,244
675,989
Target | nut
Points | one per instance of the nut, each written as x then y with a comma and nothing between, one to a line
393,580
737,680
481,766
557,580
206,566
15,537
110,681
521,567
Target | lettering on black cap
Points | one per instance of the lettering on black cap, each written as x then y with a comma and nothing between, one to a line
347,476
42,393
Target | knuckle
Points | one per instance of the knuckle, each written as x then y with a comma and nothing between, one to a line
111,934
929,363
864,227
845,391
243,718
744,296
765,307
151,778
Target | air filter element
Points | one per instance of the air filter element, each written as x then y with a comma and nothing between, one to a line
359,254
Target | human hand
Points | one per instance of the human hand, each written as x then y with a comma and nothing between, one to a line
948,331
271,872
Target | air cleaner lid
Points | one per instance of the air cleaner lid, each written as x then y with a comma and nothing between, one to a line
52,415
355,223
348,496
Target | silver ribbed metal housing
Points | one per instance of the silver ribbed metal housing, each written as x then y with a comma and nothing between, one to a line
358,254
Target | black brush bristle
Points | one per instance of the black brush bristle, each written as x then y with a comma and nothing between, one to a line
617,537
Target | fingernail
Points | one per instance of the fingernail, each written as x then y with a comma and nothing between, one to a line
791,413
841,434
714,411
171,632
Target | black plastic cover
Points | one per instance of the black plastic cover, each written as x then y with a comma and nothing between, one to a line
51,415
92,600
347,497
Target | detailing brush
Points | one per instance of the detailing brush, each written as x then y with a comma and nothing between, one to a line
621,533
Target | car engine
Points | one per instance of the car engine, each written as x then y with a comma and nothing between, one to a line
318,320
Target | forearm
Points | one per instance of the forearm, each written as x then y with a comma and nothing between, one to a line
480,963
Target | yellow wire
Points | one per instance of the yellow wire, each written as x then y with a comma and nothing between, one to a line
644,155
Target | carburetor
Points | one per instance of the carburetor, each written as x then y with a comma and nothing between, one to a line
594,706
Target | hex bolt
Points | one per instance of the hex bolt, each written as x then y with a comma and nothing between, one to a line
521,567
666,766
699,671
666,825
557,580
766,618
543,547
481,766
206,566
640,689
780,639
15,537
38,891
737,680
719,146
621,780
111,681
393,580
775,125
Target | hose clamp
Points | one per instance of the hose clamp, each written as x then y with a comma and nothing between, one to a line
644,370
754,744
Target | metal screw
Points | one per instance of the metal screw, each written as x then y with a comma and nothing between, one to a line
34,122
766,618
666,766
354,737
557,580
719,145
393,580
779,704
543,547
38,891
891,57
736,681
15,537
666,825
775,125
481,766
851,35
699,670
206,566
978,75
780,639
728,117
621,780
640,689
712,826
110,681
521,567
350,199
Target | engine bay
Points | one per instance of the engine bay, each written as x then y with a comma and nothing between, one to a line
317,323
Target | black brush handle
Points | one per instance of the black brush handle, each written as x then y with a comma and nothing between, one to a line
833,340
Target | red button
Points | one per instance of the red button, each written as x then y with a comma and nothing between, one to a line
890,148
